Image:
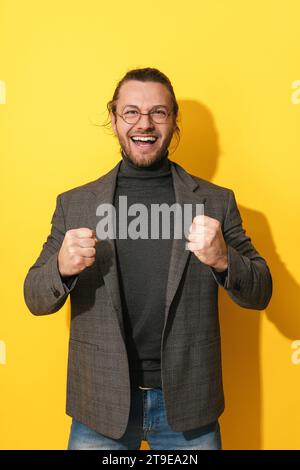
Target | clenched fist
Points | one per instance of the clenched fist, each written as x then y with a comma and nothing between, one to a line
207,243
77,252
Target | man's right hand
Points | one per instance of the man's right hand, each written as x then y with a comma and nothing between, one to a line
77,252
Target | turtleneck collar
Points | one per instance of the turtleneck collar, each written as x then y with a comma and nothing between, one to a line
127,168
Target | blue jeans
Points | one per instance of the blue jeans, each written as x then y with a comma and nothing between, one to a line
147,421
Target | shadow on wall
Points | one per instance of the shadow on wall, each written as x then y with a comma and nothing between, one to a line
241,422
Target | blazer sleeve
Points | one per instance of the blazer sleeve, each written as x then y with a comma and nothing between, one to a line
248,280
45,291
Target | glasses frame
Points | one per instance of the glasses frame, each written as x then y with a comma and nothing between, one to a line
145,114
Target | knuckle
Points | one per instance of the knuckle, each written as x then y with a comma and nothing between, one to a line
68,235
71,250
77,261
89,232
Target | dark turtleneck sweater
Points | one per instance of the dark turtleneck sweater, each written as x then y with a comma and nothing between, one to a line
143,269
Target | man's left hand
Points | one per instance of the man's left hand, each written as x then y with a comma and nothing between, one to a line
206,241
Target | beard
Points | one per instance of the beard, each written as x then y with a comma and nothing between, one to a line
145,161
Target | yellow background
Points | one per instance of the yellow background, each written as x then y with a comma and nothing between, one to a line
232,64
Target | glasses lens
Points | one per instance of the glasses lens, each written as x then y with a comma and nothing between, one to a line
131,116
159,115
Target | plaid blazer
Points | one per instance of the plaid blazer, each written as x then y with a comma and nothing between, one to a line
98,382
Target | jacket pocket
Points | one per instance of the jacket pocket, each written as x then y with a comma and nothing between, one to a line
79,344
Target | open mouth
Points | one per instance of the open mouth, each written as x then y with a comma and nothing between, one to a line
144,141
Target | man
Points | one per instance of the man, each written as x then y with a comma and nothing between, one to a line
144,351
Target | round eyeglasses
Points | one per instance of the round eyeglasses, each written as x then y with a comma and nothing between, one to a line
132,116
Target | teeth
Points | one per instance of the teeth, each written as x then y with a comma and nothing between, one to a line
145,139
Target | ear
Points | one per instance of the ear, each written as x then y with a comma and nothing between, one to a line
174,123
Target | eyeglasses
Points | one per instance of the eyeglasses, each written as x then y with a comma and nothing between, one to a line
132,116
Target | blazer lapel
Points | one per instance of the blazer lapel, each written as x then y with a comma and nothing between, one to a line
106,249
184,188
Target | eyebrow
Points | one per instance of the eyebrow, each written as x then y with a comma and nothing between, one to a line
154,106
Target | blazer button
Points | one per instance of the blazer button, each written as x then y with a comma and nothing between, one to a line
56,293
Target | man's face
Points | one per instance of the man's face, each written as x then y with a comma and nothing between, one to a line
143,96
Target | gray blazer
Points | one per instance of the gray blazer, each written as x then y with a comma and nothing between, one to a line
98,383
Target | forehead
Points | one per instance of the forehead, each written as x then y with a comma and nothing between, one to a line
144,94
